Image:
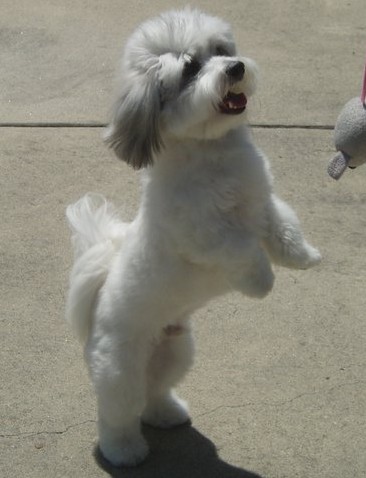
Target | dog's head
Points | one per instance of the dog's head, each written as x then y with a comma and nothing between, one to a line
182,77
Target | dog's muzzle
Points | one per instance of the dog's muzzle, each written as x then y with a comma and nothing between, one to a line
234,103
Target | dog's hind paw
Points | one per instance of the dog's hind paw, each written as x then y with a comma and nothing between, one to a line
125,452
166,412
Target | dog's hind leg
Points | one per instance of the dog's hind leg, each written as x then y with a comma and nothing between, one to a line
171,360
284,241
118,371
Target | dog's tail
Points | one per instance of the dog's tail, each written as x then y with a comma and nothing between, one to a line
97,234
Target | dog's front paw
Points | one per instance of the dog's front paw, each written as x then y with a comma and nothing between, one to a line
258,280
304,257
166,412
313,257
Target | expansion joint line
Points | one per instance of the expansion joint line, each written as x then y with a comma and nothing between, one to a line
95,124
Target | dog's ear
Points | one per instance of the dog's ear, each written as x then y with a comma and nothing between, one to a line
134,132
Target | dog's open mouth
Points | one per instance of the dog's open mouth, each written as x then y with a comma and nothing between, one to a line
233,103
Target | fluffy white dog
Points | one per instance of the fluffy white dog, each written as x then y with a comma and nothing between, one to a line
208,223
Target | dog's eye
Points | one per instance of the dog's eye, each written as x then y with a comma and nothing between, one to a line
221,51
191,68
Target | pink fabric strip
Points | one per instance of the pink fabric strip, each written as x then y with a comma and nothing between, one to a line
363,93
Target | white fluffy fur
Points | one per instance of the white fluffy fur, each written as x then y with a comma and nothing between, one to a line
209,222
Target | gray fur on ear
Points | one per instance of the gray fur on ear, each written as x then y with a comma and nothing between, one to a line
134,132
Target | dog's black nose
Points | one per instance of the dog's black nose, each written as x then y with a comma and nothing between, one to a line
235,70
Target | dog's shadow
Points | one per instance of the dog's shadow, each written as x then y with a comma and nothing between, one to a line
178,453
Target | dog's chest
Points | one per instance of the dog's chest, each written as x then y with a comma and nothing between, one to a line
218,194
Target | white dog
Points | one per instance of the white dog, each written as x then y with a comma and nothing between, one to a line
208,223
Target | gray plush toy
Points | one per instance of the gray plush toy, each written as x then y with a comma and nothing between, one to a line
350,135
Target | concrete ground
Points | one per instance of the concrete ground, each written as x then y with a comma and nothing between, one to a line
278,389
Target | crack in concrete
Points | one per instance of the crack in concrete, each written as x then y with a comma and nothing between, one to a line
278,403
281,403
45,432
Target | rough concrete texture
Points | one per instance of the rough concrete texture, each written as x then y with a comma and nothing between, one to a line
59,58
278,388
